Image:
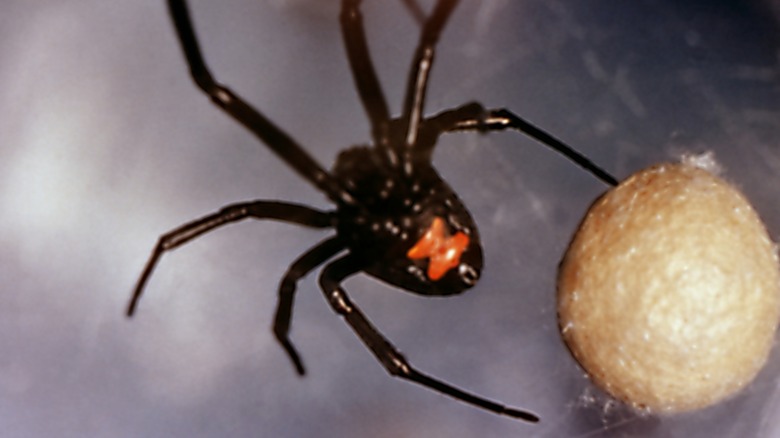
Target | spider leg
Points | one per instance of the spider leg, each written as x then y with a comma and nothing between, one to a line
393,361
276,139
474,117
294,213
417,81
415,9
299,268
363,71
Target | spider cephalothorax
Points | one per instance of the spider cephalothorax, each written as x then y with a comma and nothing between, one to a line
395,217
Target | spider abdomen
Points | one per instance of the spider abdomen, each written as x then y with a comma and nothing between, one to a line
393,211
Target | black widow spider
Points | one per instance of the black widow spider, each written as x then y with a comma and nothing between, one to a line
395,218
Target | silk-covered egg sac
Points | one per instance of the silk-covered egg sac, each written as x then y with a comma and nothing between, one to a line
669,292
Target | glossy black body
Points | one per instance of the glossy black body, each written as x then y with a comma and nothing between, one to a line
386,194
391,212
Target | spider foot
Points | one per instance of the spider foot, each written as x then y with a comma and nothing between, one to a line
292,353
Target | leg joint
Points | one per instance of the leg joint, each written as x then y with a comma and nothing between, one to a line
340,302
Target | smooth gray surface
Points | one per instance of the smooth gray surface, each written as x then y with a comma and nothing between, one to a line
106,144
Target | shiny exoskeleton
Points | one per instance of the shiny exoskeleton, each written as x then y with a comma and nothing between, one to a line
395,217
392,214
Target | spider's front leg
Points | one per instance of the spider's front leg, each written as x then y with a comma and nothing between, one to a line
474,117
417,82
274,137
393,361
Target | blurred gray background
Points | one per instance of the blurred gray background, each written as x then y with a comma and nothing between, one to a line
105,144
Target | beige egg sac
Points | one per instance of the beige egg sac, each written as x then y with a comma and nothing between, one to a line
668,295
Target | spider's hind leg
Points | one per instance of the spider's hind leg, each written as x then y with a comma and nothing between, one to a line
299,268
390,358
